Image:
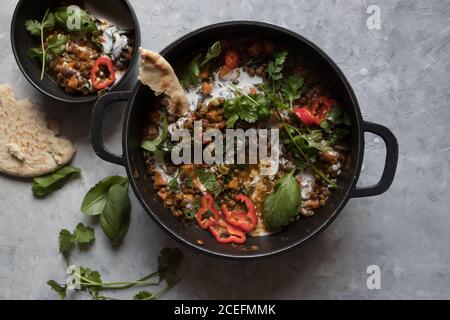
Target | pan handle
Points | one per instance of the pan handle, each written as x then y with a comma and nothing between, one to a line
390,164
97,125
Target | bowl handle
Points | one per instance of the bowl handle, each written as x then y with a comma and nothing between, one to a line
390,163
97,125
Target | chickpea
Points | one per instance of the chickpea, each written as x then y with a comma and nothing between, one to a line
255,49
259,71
204,74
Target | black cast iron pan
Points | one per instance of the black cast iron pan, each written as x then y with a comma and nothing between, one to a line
140,99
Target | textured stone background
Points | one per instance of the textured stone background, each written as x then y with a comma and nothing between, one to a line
400,76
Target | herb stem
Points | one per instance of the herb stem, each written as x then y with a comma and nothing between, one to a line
243,93
44,53
305,158
163,290
122,284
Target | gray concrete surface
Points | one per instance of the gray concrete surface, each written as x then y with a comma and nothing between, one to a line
400,74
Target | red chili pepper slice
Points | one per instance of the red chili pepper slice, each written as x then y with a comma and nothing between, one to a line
246,221
207,214
305,116
98,82
317,111
231,58
225,233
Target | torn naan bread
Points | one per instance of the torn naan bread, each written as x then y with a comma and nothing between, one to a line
28,148
158,74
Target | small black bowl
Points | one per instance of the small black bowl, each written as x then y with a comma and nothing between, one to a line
22,41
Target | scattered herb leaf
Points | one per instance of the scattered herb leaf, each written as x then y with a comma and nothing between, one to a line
81,236
213,52
87,21
153,145
168,260
61,290
95,200
115,218
284,204
144,295
91,281
209,181
190,75
44,185
291,88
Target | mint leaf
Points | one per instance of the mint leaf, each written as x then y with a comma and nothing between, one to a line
282,205
190,75
95,200
213,52
42,186
115,218
153,145
87,21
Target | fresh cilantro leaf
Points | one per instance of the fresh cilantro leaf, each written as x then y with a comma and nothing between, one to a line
95,200
336,124
290,88
115,218
61,290
338,135
315,140
282,205
144,295
337,116
168,260
92,276
153,145
249,108
36,53
66,241
275,67
42,186
209,181
49,21
231,121
33,27
83,235
327,126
